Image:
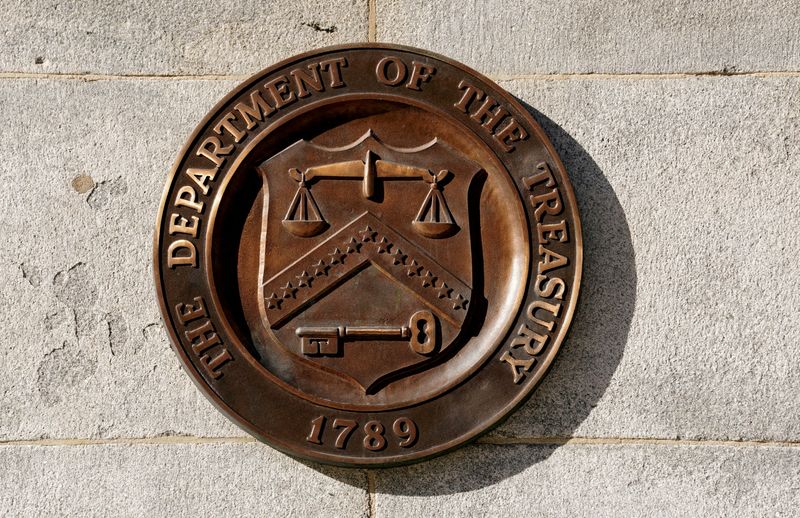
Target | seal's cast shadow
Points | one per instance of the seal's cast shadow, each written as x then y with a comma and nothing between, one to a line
583,369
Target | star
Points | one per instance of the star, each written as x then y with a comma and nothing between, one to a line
288,290
274,302
352,246
384,246
337,256
304,279
320,268
460,302
428,280
413,268
444,291
398,257
367,234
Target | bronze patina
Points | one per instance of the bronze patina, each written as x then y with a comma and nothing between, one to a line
367,255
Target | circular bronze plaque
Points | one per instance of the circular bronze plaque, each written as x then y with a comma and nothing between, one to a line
367,255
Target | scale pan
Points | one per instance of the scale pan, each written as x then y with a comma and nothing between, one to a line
435,230
305,228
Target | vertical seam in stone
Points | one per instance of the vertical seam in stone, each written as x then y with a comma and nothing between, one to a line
371,493
372,20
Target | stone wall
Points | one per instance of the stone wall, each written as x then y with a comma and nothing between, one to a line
676,393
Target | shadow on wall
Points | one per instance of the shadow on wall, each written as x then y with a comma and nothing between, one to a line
587,360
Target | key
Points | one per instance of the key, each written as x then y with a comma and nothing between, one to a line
325,341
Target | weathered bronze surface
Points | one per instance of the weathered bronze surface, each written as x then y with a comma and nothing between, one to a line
367,255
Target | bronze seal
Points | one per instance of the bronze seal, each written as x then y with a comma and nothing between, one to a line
367,255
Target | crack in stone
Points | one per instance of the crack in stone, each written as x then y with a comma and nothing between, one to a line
320,28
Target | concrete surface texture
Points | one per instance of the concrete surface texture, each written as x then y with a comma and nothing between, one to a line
676,393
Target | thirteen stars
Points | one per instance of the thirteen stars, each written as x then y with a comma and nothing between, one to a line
383,246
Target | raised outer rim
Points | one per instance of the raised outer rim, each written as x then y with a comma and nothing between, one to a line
500,415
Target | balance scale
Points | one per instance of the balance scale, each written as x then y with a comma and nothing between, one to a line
434,219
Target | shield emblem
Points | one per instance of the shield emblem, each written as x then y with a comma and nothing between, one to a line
366,266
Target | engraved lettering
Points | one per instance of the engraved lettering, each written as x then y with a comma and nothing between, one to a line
547,203
334,68
181,252
280,92
398,71
348,426
526,338
550,260
555,284
420,72
188,312
182,226
489,114
373,438
212,149
213,364
315,435
545,175
511,132
257,110
518,367
201,177
551,308
552,232
228,126
492,117
470,93
203,338
187,197
303,79
529,342
205,335
404,428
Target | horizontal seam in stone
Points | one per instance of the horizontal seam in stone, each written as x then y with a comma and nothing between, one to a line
642,75
118,77
498,78
169,439
494,441
610,441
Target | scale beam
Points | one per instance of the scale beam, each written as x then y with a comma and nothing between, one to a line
369,170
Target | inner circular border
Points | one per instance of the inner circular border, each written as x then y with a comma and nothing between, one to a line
235,167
